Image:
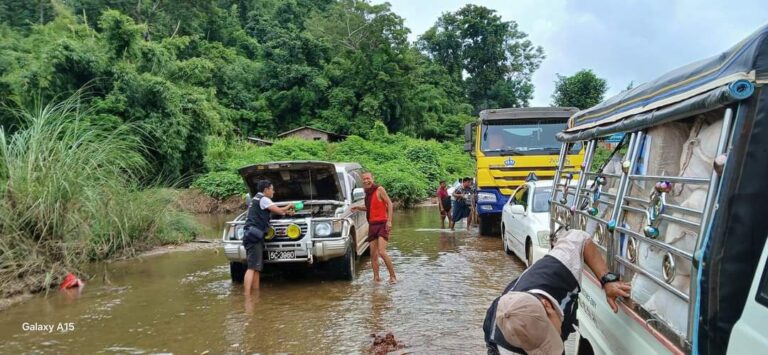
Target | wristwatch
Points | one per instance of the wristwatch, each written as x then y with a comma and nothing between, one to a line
608,277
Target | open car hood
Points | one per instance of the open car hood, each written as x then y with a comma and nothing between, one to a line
295,180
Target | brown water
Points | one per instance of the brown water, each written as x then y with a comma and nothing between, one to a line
184,302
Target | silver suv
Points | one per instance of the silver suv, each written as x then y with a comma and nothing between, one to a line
325,230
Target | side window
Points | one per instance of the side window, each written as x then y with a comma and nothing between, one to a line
521,197
358,179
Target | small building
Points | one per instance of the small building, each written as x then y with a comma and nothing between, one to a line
311,133
259,141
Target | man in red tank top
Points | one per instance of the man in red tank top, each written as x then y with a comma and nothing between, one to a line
378,209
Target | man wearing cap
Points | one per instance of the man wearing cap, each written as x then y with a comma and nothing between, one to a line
537,311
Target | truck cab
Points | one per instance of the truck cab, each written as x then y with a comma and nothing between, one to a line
507,145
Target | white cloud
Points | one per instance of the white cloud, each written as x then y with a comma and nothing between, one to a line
621,41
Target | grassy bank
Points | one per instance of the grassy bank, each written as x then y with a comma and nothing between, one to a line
68,195
409,168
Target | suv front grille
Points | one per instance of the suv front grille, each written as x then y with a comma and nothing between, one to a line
280,232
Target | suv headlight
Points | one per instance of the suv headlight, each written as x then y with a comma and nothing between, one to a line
486,197
327,229
323,229
240,232
543,239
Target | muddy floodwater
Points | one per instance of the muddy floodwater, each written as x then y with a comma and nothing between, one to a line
184,302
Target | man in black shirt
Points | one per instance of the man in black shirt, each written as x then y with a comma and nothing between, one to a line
537,311
256,225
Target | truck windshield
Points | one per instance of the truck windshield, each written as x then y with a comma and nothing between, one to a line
523,137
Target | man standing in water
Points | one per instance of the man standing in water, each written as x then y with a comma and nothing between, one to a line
444,204
378,209
461,208
256,226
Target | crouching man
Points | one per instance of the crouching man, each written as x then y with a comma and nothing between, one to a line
537,311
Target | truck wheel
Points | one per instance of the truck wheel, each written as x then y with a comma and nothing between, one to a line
344,267
489,225
237,272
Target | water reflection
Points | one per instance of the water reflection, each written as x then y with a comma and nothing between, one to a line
184,302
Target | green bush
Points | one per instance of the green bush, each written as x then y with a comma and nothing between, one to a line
220,184
403,181
407,167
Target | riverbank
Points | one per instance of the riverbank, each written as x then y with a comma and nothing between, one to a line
190,246
195,201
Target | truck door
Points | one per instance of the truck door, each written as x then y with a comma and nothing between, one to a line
749,335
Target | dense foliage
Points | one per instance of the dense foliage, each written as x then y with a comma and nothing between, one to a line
181,71
408,168
582,90
184,70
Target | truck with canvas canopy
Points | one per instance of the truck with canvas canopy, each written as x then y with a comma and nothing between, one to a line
676,208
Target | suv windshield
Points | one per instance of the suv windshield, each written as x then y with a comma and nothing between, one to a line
523,137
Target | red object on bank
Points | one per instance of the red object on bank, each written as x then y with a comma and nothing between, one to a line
70,281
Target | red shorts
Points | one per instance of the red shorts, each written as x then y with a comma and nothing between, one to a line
378,230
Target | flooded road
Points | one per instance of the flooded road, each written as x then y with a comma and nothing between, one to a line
184,302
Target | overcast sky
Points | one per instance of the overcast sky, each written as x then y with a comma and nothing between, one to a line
621,41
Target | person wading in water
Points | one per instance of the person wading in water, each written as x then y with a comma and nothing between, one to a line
256,226
378,209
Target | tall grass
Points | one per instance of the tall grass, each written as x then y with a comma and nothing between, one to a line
68,195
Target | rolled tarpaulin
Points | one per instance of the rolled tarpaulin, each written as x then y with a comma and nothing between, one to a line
741,89
708,101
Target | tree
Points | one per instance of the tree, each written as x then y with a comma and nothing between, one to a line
491,59
583,90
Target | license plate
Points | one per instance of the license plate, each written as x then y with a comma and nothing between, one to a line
281,255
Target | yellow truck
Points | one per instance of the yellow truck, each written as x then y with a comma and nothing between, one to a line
508,144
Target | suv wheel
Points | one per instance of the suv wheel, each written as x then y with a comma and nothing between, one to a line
237,272
344,267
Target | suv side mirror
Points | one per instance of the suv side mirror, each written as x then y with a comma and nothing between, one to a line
358,194
248,200
518,209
